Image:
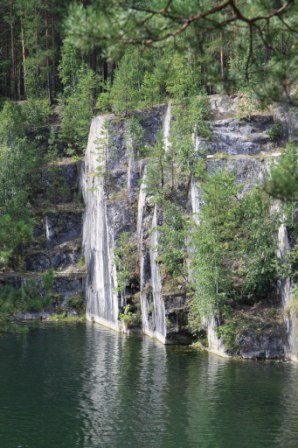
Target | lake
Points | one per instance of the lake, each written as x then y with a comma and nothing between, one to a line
83,386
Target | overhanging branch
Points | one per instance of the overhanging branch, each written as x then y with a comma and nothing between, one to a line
228,6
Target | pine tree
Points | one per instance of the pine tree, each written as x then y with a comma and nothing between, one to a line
150,89
126,88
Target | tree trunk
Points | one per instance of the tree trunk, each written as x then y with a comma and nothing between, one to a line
48,65
13,56
23,74
222,67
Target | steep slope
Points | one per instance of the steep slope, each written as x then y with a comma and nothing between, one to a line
119,202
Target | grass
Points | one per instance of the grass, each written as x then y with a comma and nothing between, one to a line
63,318
260,156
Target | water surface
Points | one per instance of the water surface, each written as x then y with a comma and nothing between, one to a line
86,387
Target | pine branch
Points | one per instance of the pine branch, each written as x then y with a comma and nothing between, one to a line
238,16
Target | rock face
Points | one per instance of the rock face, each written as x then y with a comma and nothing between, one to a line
244,147
152,303
113,183
268,345
115,204
56,243
101,300
285,289
215,344
114,186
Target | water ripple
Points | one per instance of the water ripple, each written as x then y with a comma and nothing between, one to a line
87,387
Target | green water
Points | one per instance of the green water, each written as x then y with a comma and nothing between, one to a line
87,387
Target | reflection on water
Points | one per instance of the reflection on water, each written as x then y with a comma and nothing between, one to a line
286,435
87,387
123,391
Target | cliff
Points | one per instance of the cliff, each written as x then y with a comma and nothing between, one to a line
119,203
54,254
110,246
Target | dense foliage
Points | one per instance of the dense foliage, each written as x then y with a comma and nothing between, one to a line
63,61
234,255
18,161
283,181
34,295
248,42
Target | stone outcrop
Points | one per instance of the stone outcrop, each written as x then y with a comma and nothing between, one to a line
116,202
56,243
241,145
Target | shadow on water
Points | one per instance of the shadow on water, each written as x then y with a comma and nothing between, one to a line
87,387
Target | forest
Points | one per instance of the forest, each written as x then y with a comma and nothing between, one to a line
64,62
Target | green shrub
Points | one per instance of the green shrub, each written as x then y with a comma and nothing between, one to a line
172,234
36,112
283,179
77,302
234,248
12,128
125,260
228,332
275,132
13,233
78,110
35,294
129,318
